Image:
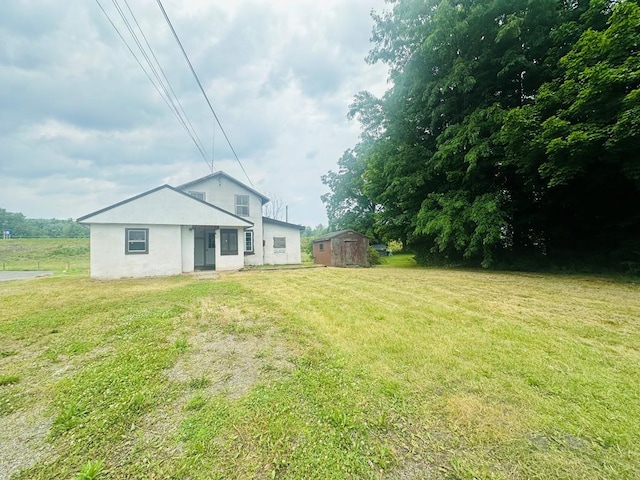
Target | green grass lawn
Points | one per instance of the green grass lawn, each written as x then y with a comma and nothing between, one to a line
70,255
389,372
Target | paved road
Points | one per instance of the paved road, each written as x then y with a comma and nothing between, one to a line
5,276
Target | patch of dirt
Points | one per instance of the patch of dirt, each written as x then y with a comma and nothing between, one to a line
214,363
231,350
421,455
228,353
411,469
229,363
22,441
545,441
23,432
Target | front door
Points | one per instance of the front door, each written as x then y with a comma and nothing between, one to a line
204,248
210,248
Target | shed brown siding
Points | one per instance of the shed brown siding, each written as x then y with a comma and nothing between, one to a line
342,249
322,257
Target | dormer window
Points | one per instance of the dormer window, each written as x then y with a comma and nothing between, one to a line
198,195
242,205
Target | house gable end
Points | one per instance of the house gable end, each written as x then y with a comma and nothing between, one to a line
220,176
165,205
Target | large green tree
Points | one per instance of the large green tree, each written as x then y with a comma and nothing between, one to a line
581,138
502,116
348,206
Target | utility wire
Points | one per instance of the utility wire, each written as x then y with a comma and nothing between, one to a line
160,82
167,81
195,75
204,155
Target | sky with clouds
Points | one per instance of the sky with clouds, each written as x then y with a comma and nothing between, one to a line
82,127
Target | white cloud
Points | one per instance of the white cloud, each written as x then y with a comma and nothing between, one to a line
82,127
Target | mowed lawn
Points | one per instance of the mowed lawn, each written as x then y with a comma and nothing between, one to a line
323,373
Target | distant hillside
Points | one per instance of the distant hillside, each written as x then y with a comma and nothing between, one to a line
21,227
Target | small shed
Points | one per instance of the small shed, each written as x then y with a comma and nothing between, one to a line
346,248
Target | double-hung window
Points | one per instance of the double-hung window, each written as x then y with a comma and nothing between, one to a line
228,242
136,240
248,241
242,205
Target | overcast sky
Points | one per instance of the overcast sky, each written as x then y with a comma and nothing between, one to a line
81,126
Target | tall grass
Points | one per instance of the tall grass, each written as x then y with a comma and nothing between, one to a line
57,254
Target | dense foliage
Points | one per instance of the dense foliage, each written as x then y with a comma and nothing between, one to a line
21,227
510,133
306,240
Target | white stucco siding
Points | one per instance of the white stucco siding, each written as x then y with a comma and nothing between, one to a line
255,258
278,256
258,252
230,262
168,207
187,249
222,192
109,260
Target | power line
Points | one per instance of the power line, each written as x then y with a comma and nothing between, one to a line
167,80
192,133
165,97
195,75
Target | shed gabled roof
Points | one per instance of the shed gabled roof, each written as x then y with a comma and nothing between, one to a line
331,235
165,205
220,173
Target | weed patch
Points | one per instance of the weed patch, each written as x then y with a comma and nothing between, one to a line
90,470
8,379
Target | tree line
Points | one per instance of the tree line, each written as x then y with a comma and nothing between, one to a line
510,134
21,227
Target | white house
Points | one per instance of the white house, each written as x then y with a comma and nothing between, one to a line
214,222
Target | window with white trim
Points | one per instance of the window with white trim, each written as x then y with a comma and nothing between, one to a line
228,242
279,242
136,240
248,241
242,205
